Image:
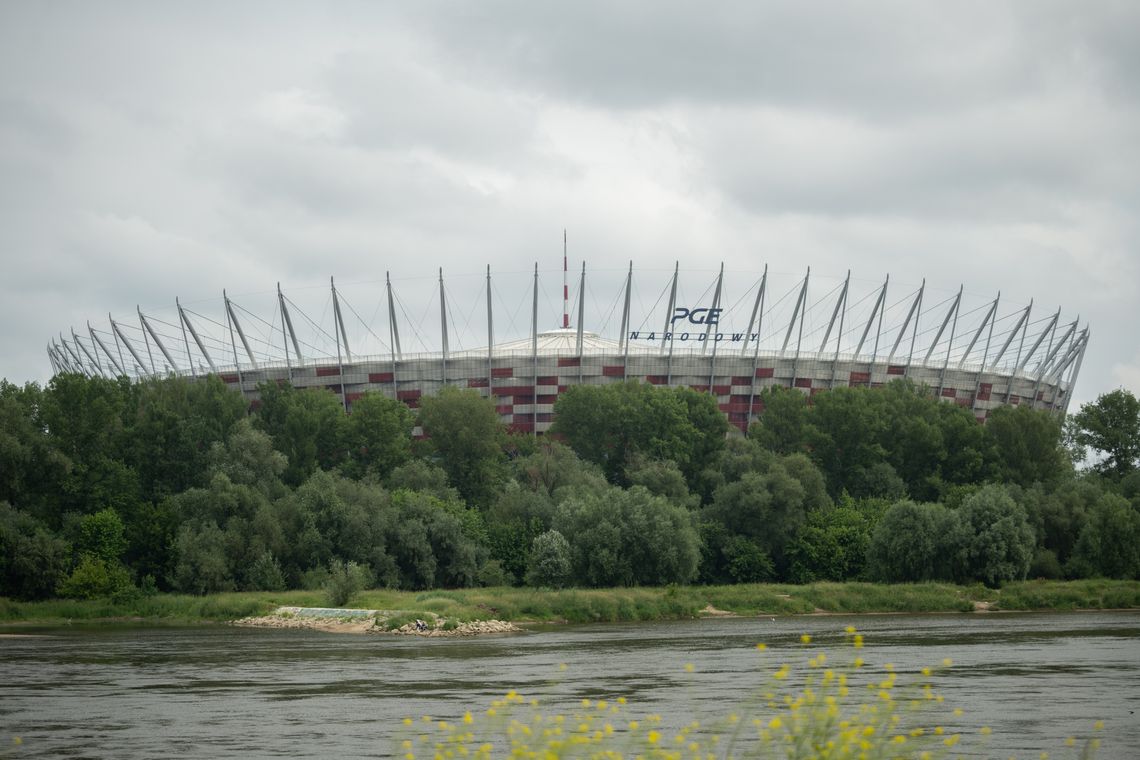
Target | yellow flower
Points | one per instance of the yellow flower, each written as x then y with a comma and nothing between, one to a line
950,741
858,640
957,712
1098,725
653,737
467,717
761,647
689,667
633,725
775,723
986,731
947,662
805,639
849,629
407,721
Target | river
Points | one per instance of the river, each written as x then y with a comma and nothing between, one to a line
220,691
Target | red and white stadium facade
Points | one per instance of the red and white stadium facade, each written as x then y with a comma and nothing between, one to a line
743,332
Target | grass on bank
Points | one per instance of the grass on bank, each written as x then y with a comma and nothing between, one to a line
600,605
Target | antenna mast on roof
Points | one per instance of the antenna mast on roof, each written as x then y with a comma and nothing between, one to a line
565,287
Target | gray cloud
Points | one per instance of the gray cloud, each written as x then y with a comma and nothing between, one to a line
152,151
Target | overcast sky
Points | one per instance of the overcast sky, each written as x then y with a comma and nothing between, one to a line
153,150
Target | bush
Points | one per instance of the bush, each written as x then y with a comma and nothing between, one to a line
95,577
345,580
998,540
549,563
265,574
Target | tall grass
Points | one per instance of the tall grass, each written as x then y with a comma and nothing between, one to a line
603,605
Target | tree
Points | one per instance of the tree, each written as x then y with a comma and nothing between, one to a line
1111,426
379,436
610,424
1109,541
767,506
171,427
32,560
781,426
1027,443
845,432
998,540
914,543
549,562
833,543
30,465
464,429
307,426
626,538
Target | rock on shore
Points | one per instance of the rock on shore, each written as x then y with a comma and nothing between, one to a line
369,622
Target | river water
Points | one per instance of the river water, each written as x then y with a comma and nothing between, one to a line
220,691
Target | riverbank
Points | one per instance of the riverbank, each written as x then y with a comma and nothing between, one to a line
527,605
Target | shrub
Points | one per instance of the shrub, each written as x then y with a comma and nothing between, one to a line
345,580
94,577
549,563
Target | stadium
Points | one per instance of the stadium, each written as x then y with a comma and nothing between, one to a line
523,338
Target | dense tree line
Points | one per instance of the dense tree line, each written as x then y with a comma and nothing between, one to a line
110,487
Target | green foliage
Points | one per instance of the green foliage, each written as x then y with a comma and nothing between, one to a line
464,429
624,538
345,580
171,427
30,464
1110,426
247,458
378,436
94,577
32,560
1027,443
833,544
307,426
661,478
915,542
1109,542
265,573
781,427
202,565
998,542
610,424
102,535
549,561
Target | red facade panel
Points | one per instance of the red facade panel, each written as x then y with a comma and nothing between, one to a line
765,372
569,361
380,377
547,380
657,379
547,398
327,371
610,370
896,369
803,382
859,378
477,382
502,372
409,395
949,393
741,380
512,390
229,378
722,390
